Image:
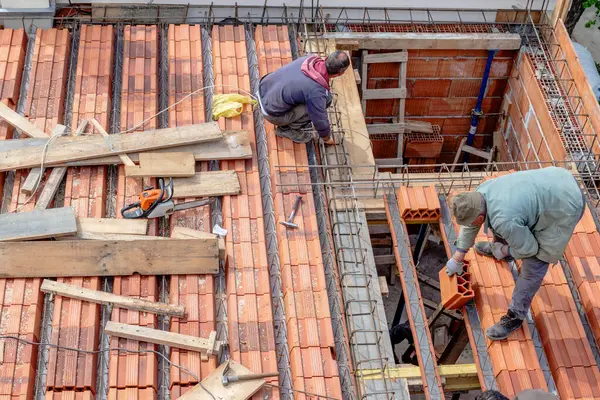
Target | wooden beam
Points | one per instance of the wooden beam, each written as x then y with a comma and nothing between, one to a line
65,149
233,146
123,157
357,77
110,236
25,127
374,94
385,259
383,286
241,390
35,174
180,232
173,165
446,371
208,346
48,259
36,224
423,40
389,161
410,125
455,346
56,176
112,225
379,229
449,313
400,56
209,183
99,297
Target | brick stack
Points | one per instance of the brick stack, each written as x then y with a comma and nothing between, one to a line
74,322
514,360
418,205
135,375
12,57
195,292
20,300
250,318
582,258
46,94
309,329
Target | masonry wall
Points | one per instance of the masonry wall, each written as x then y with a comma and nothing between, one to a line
442,88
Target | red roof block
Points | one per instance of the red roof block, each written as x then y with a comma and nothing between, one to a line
418,204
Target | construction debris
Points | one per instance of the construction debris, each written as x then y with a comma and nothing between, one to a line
37,224
95,296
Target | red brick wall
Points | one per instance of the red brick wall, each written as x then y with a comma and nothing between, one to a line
527,131
442,88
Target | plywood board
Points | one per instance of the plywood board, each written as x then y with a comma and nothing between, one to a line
99,297
424,40
156,336
233,146
111,225
108,258
37,224
241,390
65,149
204,184
173,165
180,232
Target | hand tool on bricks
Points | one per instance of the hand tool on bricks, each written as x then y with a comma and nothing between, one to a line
159,202
227,379
290,222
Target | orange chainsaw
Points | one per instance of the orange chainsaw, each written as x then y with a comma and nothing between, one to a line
158,202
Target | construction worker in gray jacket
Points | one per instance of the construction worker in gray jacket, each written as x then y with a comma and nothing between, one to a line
532,216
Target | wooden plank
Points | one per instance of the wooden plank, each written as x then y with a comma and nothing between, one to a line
385,259
109,236
35,174
389,161
233,146
99,297
180,232
400,56
374,94
449,313
357,77
65,149
173,165
423,40
383,286
123,157
375,129
48,259
54,180
205,184
111,225
479,153
25,127
156,336
364,80
446,371
241,390
37,224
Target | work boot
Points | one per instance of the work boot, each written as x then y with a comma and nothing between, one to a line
507,325
485,249
295,135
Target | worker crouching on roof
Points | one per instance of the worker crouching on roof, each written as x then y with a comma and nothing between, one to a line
532,215
299,93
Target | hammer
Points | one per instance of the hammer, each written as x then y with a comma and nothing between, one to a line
290,222
227,379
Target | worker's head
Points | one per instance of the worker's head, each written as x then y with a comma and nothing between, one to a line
491,395
468,208
337,63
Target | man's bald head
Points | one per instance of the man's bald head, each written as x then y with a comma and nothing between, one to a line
337,63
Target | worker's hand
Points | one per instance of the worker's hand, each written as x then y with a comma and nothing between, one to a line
454,267
500,250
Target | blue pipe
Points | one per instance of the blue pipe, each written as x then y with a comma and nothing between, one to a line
477,111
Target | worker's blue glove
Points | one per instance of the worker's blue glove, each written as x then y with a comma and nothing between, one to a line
500,251
454,267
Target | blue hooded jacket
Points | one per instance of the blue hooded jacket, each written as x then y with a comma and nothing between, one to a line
288,87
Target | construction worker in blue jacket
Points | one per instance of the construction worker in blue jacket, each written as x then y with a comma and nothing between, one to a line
532,216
